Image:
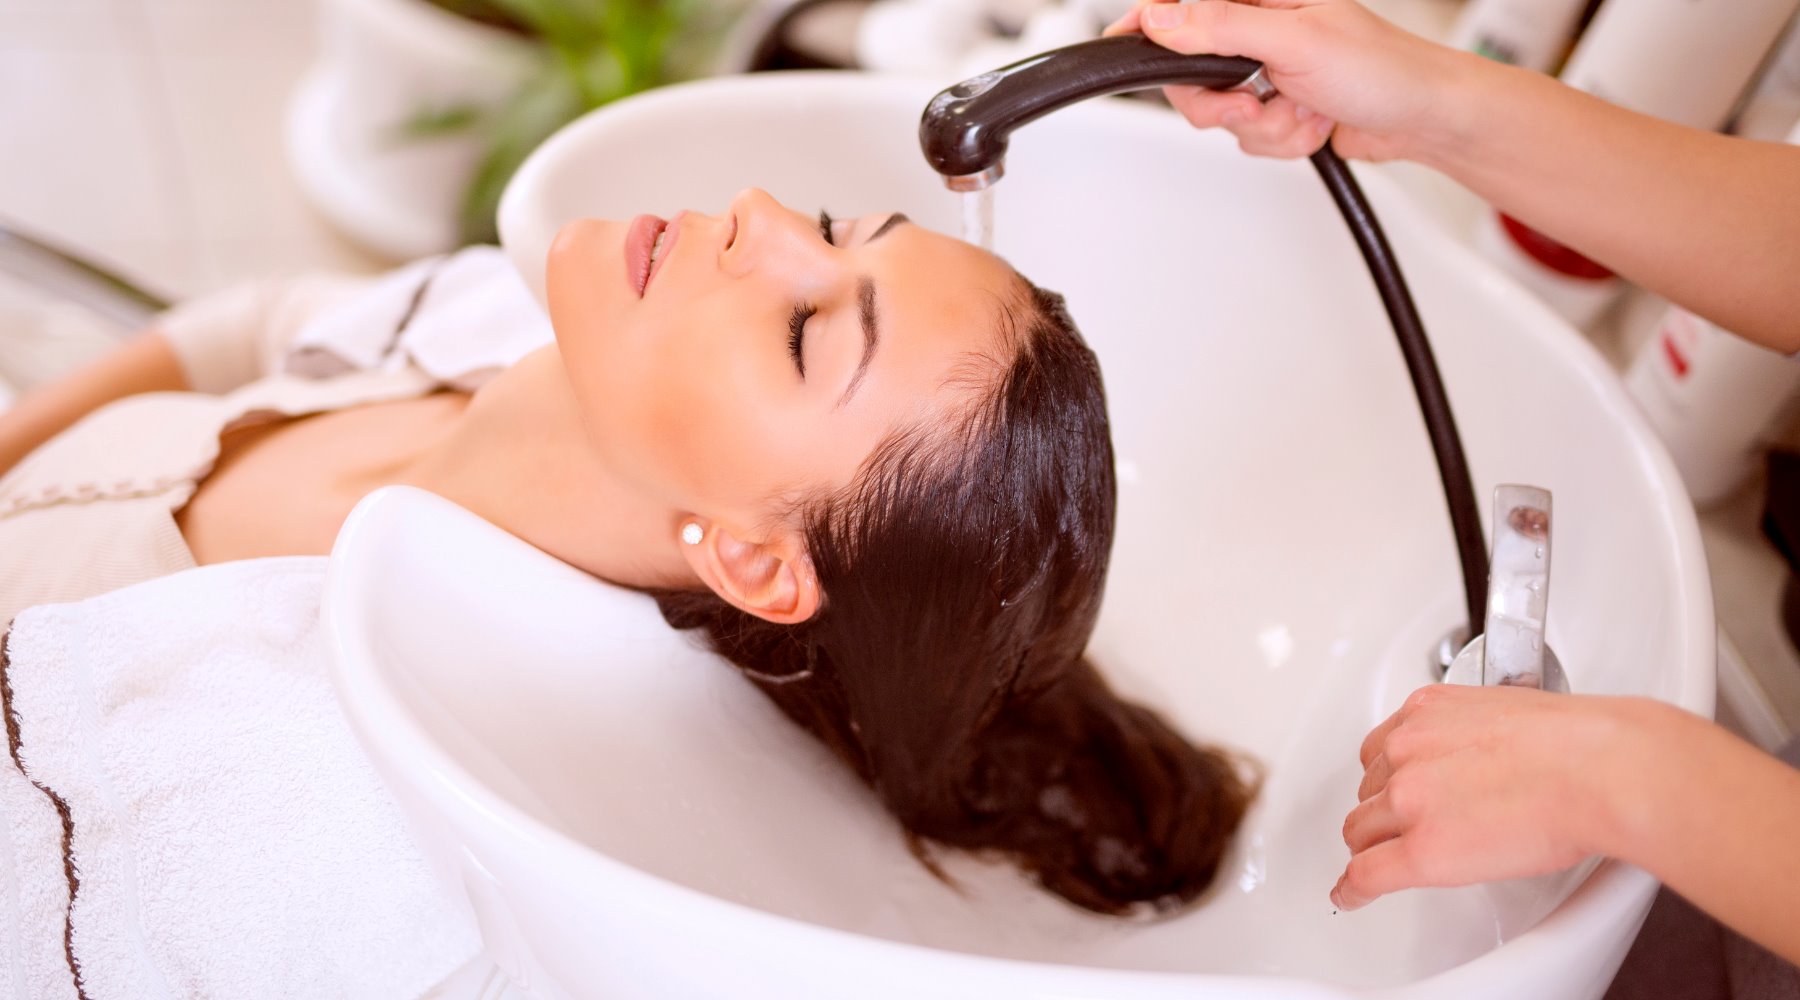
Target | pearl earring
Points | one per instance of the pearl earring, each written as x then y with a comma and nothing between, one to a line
691,533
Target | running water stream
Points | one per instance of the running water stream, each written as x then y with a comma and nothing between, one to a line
978,218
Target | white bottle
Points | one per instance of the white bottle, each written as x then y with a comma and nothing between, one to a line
1687,61
1527,33
1773,107
1710,396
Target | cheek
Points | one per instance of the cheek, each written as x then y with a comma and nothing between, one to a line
718,435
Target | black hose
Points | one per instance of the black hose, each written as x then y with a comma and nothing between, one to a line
1428,385
965,131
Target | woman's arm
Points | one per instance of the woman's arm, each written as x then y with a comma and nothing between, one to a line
1466,785
1709,222
145,363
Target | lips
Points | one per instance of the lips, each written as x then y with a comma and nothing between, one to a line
640,244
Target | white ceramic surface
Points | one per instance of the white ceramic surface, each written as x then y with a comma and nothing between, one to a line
383,63
632,820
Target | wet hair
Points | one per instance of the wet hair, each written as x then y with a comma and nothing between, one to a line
962,572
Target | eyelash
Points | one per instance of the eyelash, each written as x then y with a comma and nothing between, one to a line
797,334
805,310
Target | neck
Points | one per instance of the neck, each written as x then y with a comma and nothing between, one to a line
518,456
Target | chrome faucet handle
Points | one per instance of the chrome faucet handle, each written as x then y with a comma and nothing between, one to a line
1512,651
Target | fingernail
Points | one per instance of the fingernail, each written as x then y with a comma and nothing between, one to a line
1302,113
1165,15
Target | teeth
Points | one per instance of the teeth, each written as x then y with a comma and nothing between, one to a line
656,248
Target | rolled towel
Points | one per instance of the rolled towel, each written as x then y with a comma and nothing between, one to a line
180,762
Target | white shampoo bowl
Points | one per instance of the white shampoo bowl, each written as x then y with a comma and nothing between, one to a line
631,819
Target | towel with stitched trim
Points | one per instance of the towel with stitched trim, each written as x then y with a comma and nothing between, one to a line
187,814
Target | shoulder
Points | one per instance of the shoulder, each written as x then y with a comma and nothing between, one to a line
122,447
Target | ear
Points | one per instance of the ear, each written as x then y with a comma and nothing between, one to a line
772,579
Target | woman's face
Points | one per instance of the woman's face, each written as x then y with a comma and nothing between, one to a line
753,359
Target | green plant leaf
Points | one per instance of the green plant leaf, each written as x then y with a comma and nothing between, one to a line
545,104
433,122
595,51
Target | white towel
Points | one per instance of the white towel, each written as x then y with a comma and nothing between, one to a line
229,837
462,318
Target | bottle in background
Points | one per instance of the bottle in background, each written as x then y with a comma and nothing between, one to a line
1686,61
1773,107
1532,34
1711,396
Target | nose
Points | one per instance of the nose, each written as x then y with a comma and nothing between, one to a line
765,232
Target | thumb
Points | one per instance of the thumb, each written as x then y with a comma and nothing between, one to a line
1217,27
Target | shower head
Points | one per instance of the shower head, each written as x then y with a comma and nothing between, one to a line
965,128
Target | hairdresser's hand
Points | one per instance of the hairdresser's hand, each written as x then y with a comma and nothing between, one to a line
1467,784
1336,65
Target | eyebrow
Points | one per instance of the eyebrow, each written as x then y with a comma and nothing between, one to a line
865,311
892,221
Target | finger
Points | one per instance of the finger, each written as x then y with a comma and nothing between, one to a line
1374,743
1128,23
1281,132
1372,874
1373,821
1375,777
1302,143
1220,27
1206,108
1279,118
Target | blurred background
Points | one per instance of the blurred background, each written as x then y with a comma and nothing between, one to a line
153,150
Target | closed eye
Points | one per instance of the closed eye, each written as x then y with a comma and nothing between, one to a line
797,335
825,226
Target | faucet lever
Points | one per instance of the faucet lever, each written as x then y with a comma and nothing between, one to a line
1512,651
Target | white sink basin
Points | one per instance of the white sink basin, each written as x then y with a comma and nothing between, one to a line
633,820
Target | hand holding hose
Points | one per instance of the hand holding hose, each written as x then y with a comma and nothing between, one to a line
1670,208
1336,65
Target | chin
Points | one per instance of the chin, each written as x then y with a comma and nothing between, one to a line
584,277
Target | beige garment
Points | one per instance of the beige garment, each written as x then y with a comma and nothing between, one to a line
94,509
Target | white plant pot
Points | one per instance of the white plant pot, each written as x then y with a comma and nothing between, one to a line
381,64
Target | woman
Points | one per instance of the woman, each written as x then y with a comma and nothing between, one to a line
871,462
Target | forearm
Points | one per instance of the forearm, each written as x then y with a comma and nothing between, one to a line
1709,222
145,363
1715,819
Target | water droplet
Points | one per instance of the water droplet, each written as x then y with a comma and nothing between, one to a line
1537,585
1540,552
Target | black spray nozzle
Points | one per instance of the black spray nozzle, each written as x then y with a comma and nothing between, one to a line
965,128
964,132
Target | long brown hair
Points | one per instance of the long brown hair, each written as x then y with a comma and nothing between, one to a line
962,574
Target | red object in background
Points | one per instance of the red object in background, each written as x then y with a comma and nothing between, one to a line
1680,335
1550,253
1676,361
